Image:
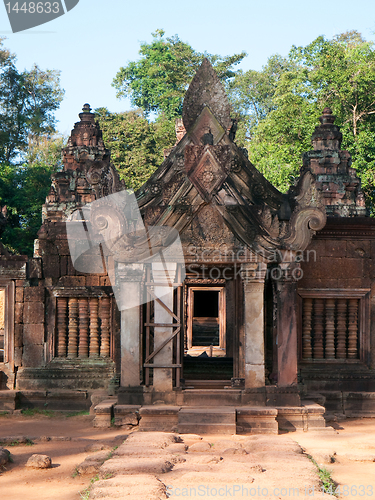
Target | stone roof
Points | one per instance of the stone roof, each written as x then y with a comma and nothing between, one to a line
207,169
336,179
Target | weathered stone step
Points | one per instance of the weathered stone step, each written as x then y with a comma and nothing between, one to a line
256,420
212,397
207,420
8,400
158,418
207,384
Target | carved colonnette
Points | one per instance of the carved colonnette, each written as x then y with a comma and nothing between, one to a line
84,322
335,325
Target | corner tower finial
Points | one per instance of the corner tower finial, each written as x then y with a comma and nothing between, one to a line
206,90
335,178
327,135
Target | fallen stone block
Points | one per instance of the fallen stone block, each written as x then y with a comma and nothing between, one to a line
4,456
92,463
135,465
142,486
153,439
39,462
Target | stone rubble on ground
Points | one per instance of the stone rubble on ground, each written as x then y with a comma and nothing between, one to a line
4,456
39,462
149,465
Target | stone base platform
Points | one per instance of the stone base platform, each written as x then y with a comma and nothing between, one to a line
210,395
212,420
206,420
345,404
56,400
8,400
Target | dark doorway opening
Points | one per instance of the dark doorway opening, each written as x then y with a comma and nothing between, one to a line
206,304
206,356
206,328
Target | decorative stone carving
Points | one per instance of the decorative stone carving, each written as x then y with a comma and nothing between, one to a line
83,348
87,174
206,90
206,174
73,327
335,178
218,173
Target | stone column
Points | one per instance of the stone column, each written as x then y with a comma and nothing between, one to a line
164,278
253,275
129,279
286,323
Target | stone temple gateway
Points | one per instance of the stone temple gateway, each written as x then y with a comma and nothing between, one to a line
263,323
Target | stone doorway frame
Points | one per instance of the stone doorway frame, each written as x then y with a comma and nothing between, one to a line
221,312
9,299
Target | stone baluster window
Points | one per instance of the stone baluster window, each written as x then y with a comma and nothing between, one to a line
83,327
333,326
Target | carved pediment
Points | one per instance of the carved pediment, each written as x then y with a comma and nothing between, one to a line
206,125
206,90
205,170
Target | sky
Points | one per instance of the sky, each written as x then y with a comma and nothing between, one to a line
90,43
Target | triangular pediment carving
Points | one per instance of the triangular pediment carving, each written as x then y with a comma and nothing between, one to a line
204,170
206,90
207,168
205,128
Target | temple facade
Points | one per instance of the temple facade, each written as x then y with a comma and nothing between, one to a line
249,300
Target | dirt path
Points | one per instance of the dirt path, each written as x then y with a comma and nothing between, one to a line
70,437
267,467
348,454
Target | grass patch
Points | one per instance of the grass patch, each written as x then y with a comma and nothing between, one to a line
324,475
85,494
77,413
28,442
30,412
110,454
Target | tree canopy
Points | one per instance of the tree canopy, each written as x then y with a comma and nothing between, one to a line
136,144
277,109
29,152
157,82
339,73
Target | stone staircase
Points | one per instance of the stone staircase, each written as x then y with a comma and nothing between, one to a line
212,418
207,420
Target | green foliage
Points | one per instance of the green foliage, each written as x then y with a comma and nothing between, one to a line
31,412
29,152
77,413
28,100
158,81
324,475
136,144
28,442
23,189
282,104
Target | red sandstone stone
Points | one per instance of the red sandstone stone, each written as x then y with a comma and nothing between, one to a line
33,334
18,312
19,294
33,312
33,356
18,335
34,294
51,266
